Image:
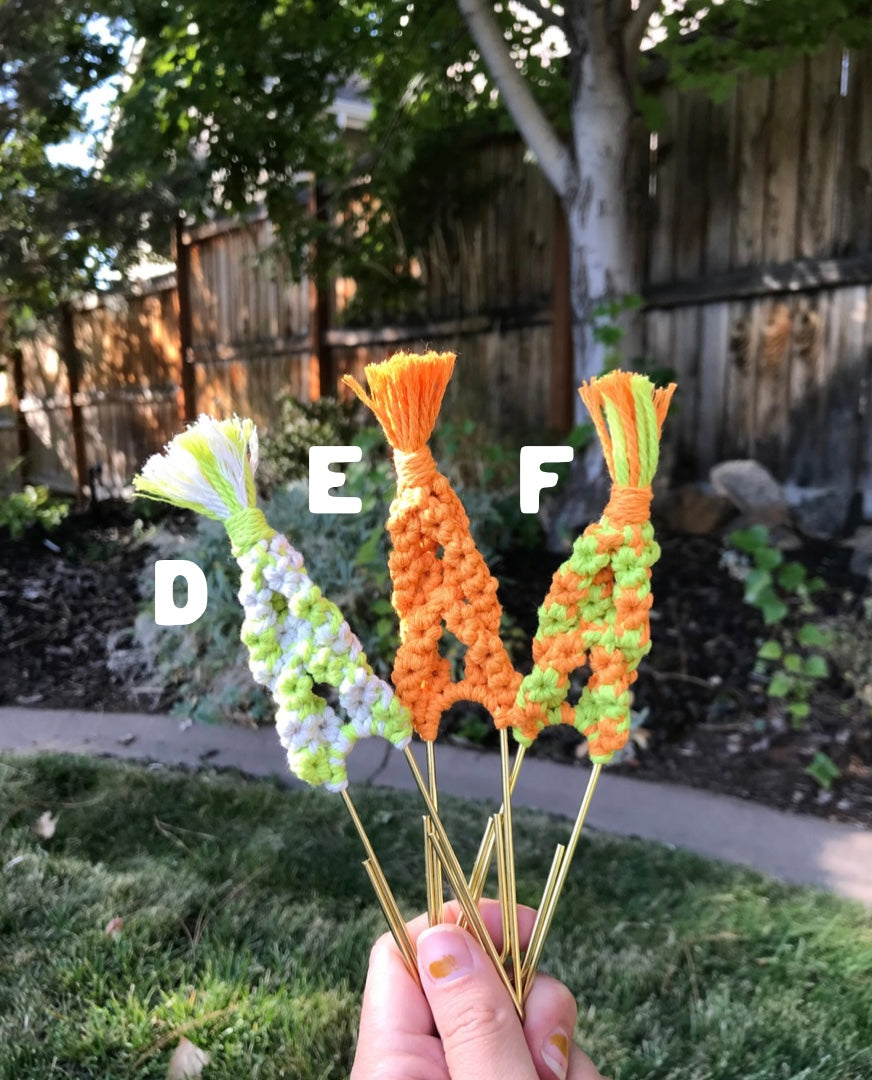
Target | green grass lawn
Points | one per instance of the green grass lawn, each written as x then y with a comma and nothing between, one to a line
248,920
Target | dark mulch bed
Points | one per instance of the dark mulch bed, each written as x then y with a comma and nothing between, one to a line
67,599
710,724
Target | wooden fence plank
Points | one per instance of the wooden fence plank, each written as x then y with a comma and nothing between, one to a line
782,166
820,164
856,220
721,169
692,152
806,344
713,361
753,142
664,213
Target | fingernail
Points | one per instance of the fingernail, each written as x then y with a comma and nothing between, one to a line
444,954
555,1052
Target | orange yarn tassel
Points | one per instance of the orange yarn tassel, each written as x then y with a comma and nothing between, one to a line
439,576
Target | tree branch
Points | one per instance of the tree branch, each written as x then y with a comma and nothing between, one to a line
553,157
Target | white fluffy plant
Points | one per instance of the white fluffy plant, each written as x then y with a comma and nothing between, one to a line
296,638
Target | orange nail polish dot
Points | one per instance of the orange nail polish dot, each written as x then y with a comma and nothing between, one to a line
443,967
559,1040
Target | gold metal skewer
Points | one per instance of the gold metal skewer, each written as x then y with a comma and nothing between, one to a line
480,868
457,881
395,922
433,869
554,887
502,881
509,898
389,905
477,927
535,934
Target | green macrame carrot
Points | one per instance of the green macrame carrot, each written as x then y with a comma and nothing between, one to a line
295,636
596,610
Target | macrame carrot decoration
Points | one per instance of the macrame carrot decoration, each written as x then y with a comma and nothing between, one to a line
598,605
295,636
440,580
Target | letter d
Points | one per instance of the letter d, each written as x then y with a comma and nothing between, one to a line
166,612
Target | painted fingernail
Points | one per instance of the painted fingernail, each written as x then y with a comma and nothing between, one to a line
555,1052
444,954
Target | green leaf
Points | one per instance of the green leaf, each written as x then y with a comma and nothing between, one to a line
799,710
793,663
368,550
816,667
791,576
768,557
823,769
780,686
381,606
770,650
756,583
773,610
749,540
812,636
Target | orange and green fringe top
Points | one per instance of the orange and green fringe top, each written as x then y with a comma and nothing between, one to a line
440,579
597,609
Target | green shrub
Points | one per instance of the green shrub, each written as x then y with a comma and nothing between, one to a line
32,506
793,659
285,450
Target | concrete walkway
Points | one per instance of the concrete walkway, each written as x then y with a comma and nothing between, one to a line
794,848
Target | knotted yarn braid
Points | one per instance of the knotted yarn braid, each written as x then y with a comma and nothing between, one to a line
296,638
440,579
597,609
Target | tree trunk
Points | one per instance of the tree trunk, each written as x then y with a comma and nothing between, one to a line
605,252
605,247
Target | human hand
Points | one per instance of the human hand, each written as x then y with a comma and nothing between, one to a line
461,1023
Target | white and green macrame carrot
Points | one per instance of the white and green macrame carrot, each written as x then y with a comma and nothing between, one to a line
295,636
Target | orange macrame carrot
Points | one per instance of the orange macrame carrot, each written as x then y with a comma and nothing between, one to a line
597,607
439,576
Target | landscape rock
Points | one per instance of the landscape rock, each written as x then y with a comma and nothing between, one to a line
820,513
861,559
752,489
694,508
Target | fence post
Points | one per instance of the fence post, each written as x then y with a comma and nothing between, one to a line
72,360
20,418
561,402
323,376
182,252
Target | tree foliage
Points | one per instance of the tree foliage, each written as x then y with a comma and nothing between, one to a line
228,105
50,55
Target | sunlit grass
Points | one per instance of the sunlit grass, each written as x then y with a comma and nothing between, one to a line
248,920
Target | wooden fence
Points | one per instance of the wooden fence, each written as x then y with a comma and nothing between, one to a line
758,247
759,271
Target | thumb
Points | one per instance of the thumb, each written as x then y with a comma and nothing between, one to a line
474,1013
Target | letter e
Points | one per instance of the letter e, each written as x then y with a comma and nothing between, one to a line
166,612
322,478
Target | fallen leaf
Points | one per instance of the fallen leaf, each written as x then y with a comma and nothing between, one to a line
187,1062
45,825
641,736
114,927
